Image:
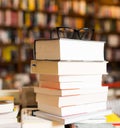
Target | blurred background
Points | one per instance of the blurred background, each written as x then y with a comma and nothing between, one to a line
23,21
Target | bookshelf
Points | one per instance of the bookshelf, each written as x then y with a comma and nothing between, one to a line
21,23
108,28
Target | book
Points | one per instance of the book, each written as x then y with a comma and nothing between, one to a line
27,19
23,4
35,122
112,54
68,67
7,98
70,85
72,118
67,92
7,52
61,101
31,5
6,106
8,17
40,4
12,114
11,117
11,125
74,109
113,38
90,125
28,120
1,17
71,78
62,49
11,92
8,121
58,92
95,120
14,18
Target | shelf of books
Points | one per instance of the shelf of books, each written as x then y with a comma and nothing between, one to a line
107,28
21,24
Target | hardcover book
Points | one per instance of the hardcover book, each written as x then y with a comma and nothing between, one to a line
70,85
74,109
12,114
68,67
57,92
6,106
69,49
11,92
61,101
71,78
73,118
68,92
30,121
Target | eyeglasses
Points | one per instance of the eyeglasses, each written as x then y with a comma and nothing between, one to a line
67,32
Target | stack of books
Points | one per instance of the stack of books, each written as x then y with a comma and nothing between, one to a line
8,109
30,121
70,79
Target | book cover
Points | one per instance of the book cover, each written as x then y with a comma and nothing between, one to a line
69,49
68,67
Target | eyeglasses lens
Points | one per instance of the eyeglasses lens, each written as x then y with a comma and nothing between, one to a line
65,32
85,33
